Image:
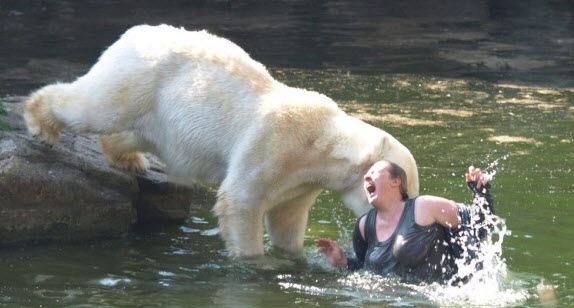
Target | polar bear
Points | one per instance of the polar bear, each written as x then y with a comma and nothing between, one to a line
214,115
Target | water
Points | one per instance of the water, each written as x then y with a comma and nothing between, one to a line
460,83
186,266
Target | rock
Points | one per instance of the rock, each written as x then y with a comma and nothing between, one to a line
68,192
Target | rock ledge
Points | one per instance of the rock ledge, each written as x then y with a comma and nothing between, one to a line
69,193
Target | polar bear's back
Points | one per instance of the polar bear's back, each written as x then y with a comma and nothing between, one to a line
168,48
183,91
147,58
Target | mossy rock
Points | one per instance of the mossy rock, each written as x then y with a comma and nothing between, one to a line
3,125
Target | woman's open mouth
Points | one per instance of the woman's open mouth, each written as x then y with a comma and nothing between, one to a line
370,189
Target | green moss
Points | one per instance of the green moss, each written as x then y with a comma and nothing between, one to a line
3,126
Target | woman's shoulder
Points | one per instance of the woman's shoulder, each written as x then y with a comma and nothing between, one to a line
361,221
430,199
431,209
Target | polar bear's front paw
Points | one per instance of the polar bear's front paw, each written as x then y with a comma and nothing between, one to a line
133,162
41,130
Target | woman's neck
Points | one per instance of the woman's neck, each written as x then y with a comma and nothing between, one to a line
388,217
391,208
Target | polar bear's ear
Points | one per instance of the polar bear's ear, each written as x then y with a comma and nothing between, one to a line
372,153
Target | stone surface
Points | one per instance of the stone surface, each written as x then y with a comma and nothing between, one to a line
68,193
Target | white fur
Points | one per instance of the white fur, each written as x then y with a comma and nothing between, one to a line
212,114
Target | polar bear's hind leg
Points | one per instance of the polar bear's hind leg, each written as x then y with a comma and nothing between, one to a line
122,150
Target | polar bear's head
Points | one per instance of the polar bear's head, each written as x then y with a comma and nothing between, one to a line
361,151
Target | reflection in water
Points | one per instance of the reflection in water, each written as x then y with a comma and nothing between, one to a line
113,282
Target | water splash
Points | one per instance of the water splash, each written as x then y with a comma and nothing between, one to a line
493,166
488,286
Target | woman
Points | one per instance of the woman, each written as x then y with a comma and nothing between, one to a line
416,239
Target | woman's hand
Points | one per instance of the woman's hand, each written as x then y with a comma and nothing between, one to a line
333,251
476,176
478,183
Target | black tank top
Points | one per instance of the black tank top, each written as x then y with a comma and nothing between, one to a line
413,252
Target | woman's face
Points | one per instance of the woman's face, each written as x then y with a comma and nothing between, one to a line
377,181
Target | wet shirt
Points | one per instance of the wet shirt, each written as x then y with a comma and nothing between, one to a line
413,252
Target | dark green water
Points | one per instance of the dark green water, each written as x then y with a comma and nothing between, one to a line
487,83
